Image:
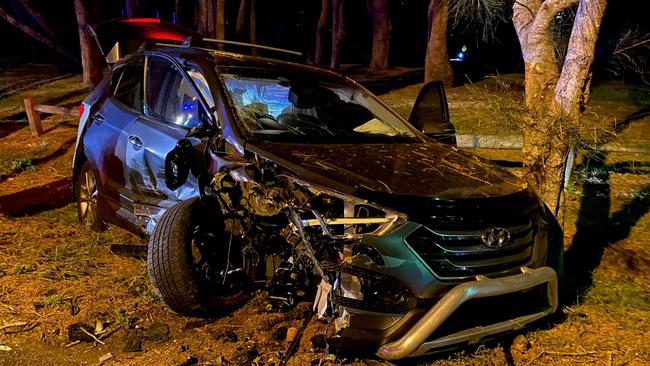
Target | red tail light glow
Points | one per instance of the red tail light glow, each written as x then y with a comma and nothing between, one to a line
81,110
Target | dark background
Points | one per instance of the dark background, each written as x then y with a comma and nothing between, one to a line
291,24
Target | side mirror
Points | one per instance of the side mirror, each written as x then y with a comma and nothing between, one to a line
177,164
430,114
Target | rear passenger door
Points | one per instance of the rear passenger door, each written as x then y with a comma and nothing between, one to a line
105,141
172,107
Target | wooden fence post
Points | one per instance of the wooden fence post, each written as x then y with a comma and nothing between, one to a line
34,118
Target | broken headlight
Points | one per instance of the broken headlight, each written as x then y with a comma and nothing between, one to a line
340,215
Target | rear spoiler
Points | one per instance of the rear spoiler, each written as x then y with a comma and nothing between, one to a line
119,37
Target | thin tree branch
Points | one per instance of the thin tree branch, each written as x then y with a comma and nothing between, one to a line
36,35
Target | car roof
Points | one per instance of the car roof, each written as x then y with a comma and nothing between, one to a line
233,59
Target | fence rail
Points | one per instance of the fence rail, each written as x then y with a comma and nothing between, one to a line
34,111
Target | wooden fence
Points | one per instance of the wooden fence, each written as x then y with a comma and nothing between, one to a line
34,110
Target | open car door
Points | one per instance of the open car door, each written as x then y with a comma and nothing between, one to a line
430,114
117,38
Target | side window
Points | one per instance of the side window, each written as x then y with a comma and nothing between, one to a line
127,85
170,97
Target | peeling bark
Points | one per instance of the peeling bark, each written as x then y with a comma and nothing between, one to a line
436,64
320,28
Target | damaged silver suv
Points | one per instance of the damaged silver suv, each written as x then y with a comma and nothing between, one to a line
248,171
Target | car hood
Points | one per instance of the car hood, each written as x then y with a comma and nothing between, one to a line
423,169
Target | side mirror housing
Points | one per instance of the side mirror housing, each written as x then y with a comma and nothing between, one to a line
430,114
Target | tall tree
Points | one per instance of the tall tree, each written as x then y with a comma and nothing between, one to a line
436,64
320,29
131,8
91,62
555,96
220,19
241,17
338,31
381,26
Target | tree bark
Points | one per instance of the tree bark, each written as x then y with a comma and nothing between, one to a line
338,31
555,101
436,64
220,19
37,36
320,28
381,27
201,17
241,17
572,88
90,58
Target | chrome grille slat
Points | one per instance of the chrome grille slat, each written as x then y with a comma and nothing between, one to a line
460,253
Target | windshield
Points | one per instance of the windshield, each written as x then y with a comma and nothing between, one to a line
276,105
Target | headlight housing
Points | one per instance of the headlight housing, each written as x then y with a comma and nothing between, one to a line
344,216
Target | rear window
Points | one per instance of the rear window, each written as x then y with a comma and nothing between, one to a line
127,84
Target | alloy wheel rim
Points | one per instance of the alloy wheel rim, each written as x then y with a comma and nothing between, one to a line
88,198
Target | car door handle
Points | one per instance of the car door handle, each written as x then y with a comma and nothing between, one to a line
98,118
135,141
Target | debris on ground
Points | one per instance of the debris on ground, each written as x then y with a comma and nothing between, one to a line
105,357
228,335
191,360
129,250
157,332
133,341
80,332
4,348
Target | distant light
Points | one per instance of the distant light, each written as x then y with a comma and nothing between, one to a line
460,56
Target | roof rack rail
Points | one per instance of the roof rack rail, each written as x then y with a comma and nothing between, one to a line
194,41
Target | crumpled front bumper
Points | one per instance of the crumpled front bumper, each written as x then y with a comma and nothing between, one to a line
417,342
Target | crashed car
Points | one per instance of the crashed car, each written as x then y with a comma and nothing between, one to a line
249,172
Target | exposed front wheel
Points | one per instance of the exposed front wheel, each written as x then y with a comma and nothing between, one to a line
89,203
193,265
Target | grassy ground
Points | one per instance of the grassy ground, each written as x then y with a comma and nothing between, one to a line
54,274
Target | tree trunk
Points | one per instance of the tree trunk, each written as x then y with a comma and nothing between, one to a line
322,23
338,31
381,27
201,17
554,100
241,17
436,64
131,8
37,36
90,58
572,88
220,19
253,26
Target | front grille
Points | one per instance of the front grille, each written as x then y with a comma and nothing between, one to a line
458,252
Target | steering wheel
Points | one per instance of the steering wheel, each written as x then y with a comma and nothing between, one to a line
303,122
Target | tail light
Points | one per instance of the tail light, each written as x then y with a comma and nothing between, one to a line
81,110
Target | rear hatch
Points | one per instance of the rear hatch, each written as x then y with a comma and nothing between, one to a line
117,38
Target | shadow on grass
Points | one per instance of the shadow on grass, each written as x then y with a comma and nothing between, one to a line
596,229
37,199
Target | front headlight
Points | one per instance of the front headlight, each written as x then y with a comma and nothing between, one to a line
341,215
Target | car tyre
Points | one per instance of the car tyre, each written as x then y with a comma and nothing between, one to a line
89,201
172,266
